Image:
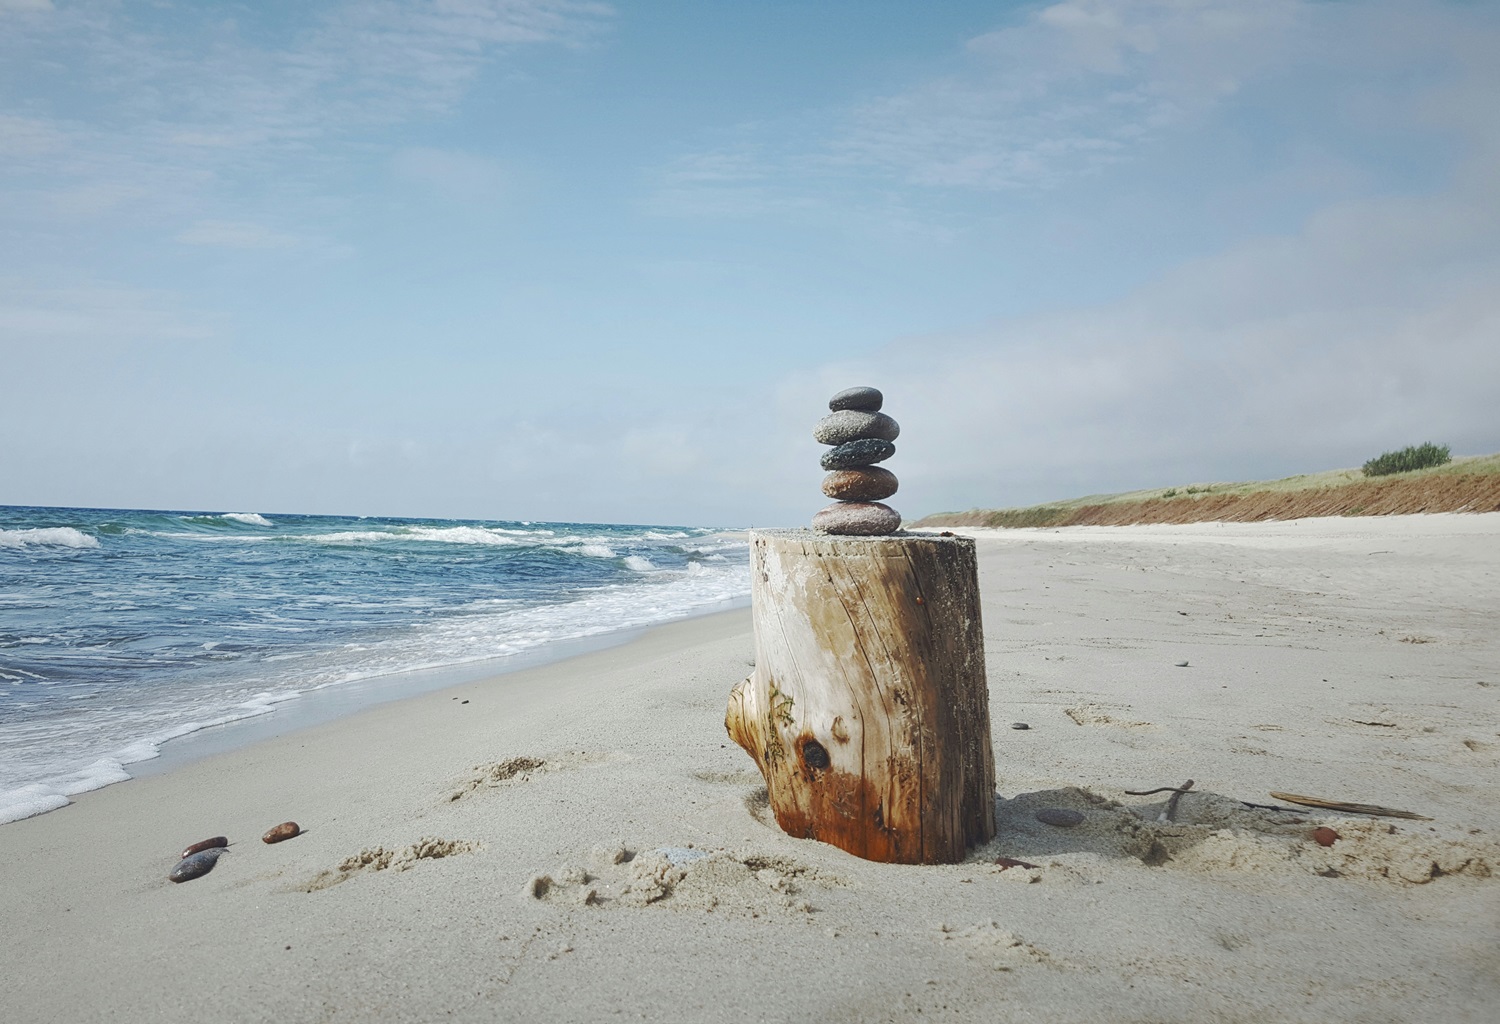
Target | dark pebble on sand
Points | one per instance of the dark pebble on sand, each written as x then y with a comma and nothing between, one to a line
865,452
850,425
864,399
206,844
199,864
1019,725
1060,816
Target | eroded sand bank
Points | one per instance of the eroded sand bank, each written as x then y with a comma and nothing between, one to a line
491,860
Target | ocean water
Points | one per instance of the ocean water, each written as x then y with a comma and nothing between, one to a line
122,630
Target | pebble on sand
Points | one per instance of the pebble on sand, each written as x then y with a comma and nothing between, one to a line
865,452
851,425
865,399
1019,725
197,865
286,830
206,844
868,483
1325,836
857,519
1060,816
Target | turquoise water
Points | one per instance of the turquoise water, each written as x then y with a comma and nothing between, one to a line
121,630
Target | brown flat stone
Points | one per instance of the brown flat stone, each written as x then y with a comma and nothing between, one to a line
869,483
857,519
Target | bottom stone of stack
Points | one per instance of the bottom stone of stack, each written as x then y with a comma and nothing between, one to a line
857,519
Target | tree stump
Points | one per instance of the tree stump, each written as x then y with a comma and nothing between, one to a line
868,710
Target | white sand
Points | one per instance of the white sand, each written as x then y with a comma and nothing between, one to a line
443,879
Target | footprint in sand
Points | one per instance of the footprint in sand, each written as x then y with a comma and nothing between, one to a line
516,770
682,878
988,939
742,777
379,858
1090,713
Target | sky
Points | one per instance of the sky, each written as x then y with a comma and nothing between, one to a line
606,262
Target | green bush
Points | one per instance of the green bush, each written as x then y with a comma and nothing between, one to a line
1420,456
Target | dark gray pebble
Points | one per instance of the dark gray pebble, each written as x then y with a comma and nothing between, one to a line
865,452
1060,816
200,863
851,425
1019,725
863,399
1182,664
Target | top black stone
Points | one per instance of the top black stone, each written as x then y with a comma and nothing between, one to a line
864,399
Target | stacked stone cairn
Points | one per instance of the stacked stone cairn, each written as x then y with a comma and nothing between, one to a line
861,436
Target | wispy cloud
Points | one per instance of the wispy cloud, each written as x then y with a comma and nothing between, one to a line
1065,91
179,109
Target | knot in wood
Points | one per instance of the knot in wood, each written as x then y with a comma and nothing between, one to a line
814,755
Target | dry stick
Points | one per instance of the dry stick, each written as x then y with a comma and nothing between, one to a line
1172,803
1272,807
1336,805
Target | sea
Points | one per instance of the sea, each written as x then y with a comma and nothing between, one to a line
122,631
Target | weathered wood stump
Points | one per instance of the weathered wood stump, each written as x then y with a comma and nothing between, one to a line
868,710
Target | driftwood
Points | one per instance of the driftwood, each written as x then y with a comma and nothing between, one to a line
868,710
1336,805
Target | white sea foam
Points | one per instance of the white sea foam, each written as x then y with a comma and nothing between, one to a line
639,564
596,551
51,536
249,518
439,535
41,797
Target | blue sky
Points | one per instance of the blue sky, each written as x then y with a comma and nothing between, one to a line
538,259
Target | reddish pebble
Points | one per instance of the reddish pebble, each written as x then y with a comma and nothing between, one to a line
1324,836
206,844
286,830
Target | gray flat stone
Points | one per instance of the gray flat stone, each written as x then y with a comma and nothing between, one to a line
868,483
865,452
865,399
1060,817
857,519
852,425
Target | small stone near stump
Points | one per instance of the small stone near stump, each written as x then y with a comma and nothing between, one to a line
1019,725
1182,664
1325,836
1060,817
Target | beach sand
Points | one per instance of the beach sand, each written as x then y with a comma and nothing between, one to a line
486,852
